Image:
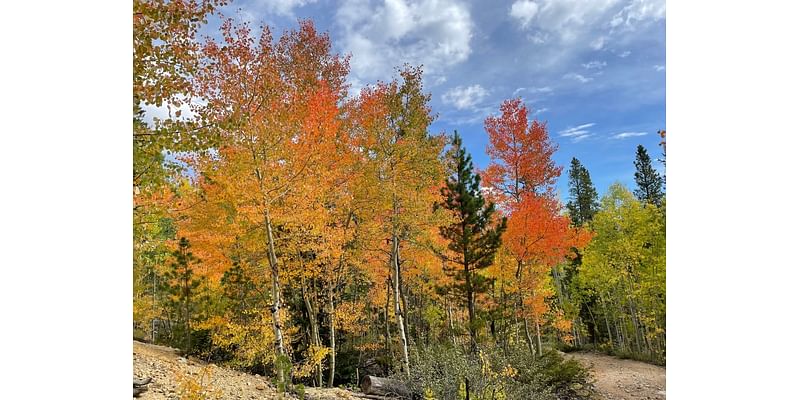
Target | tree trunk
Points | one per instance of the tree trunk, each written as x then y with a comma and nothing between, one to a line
388,334
528,338
276,296
538,336
314,339
331,313
635,323
398,313
187,337
403,302
450,323
473,331
608,326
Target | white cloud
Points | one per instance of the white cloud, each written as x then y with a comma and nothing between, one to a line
578,77
579,138
624,135
524,11
594,65
624,54
435,33
185,111
284,7
639,11
598,43
659,67
533,90
464,97
564,18
538,37
474,116
596,22
579,130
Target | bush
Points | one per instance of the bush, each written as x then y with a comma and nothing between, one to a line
441,372
565,378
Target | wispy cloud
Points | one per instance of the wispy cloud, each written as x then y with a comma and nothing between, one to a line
524,11
624,54
659,67
639,11
539,37
474,116
578,77
594,65
576,131
579,138
464,98
533,90
541,110
598,43
283,7
624,135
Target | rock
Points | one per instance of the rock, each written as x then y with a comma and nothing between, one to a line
576,386
261,386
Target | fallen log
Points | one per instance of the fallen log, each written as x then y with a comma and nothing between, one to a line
140,385
372,396
142,382
373,385
139,390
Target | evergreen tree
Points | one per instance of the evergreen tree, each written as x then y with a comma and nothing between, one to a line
181,285
648,181
583,202
474,236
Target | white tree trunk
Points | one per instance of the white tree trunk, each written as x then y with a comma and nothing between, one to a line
397,312
276,294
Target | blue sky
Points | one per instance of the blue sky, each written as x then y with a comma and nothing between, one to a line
594,70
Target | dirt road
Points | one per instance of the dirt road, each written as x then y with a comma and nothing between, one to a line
619,379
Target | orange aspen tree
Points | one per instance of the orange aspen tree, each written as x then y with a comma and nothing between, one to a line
275,107
401,170
522,175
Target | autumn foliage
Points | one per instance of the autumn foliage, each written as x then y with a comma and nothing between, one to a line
302,219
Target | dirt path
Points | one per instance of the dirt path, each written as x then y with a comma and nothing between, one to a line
618,379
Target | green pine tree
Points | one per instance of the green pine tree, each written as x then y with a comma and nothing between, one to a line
583,202
182,285
474,236
648,181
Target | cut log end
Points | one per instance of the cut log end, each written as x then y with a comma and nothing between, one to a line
373,385
140,385
137,391
142,382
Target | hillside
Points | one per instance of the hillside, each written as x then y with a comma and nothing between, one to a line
174,375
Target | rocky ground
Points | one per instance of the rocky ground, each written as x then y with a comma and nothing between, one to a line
175,377
620,379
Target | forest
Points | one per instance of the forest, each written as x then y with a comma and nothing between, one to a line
288,226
